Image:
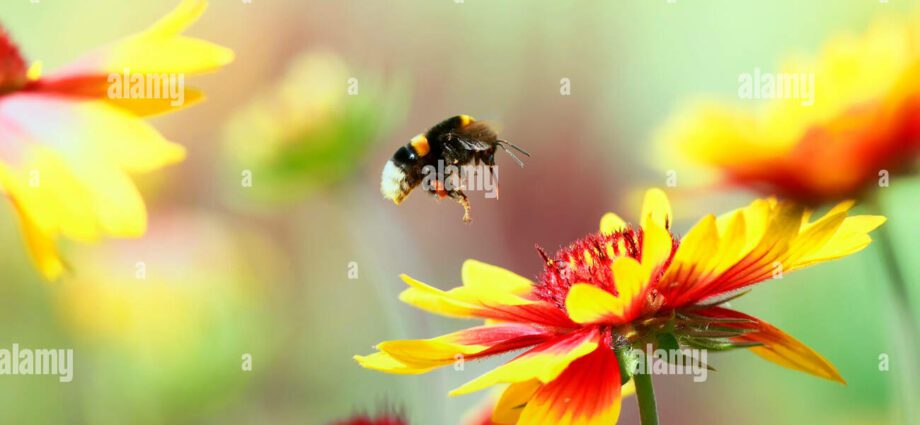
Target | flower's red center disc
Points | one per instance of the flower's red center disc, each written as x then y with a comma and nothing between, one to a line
587,260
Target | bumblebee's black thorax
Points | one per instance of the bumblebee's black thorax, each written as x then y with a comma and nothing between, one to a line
461,141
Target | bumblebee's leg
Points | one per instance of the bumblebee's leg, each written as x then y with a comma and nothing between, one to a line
494,180
435,188
463,200
490,164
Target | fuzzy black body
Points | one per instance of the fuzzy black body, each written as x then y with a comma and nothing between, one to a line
457,141
457,144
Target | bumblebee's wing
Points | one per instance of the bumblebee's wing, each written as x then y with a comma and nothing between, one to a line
472,144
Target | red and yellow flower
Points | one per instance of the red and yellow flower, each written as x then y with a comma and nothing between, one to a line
861,126
67,147
623,286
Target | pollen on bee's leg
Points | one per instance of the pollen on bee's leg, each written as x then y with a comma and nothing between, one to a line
467,209
439,190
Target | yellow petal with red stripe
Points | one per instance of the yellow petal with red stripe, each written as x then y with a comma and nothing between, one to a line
467,344
488,292
784,350
587,393
422,355
544,362
514,399
751,244
777,346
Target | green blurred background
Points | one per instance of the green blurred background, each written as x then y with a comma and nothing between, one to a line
263,270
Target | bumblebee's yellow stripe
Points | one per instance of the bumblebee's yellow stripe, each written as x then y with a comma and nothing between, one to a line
420,145
465,120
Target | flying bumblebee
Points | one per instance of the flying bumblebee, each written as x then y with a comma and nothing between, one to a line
458,141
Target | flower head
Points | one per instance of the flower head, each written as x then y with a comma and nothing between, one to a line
859,126
623,286
312,133
70,142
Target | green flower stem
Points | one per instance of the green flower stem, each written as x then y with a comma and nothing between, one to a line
909,331
895,276
645,395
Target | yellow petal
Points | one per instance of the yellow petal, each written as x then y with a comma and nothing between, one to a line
463,345
777,346
631,279
515,398
694,259
486,277
42,248
656,209
178,20
544,362
784,350
426,353
150,106
383,362
485,287
159,49
587,393
35,71
656,245
850,237
611,223
434,300
586,303
512,402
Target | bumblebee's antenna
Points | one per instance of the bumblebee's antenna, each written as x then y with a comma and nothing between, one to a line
504,144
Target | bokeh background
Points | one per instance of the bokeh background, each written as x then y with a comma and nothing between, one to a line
233,269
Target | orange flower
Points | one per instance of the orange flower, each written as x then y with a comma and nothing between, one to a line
70,141
623,287
861,125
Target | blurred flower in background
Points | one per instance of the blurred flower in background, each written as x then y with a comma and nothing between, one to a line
173,324
69,145
479,415
385,418
619,288
858,130
862,123
312,130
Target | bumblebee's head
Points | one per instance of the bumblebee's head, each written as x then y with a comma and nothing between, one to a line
401,173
